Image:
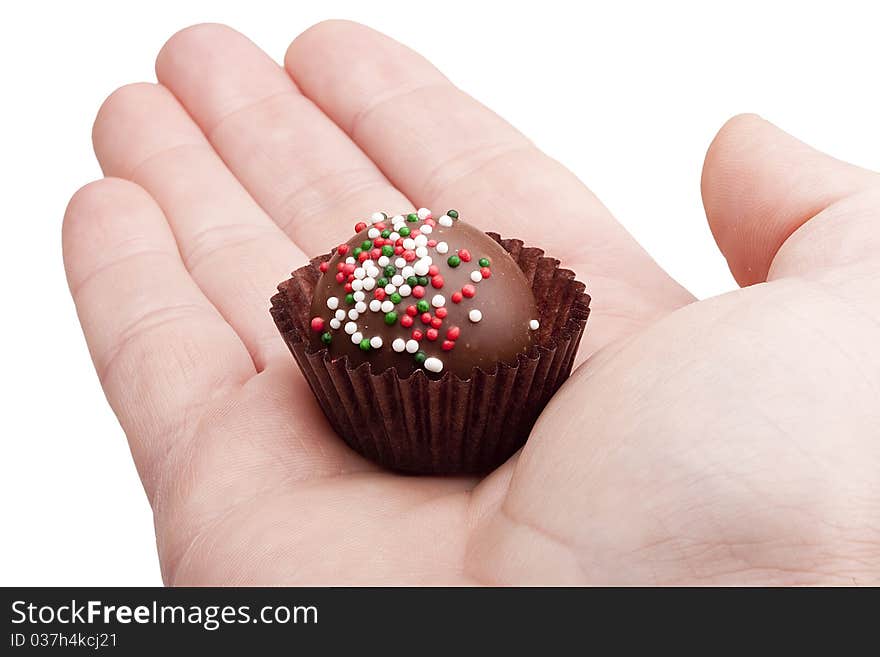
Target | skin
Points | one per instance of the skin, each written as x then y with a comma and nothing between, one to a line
727,441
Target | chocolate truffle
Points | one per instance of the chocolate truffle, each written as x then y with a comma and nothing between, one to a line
417,292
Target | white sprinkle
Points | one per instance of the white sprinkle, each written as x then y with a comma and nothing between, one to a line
350,328
373,233
400,263
357,284
409,244
359,295
427,229
376,217
445,220
442,248
357,337
421,251
375,305
369,284
428,260
340,314
434,364
404,290
359,272
476,276
350,261
438,301
333,303
387,306
407,271
335,323
398,219
366,264
376,342
421,267
423,213
353,314
475,315
390,289
534,324
383,261
372,272
394,236
361,307
412,346
421,240
399,344
397,280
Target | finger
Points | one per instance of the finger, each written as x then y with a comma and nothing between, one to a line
235,253
443,149
160,348
761,186
297,164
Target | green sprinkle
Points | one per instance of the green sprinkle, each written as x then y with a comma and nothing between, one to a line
453,261
388,250
412,281
422,306
366,245
452,213
385,233
396,298
382,282
326,338
349,298
357,251
365,344
403,232
484,262
412,217
390,270
390,318
420,357
423,280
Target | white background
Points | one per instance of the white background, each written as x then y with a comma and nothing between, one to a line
628,95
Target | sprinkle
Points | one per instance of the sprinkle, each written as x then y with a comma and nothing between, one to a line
333,303
365,344
421,251
452,333
445,220
390,270
534,324
421,267
433,270
412,311
335,323
317,324
476,276
387,306
484,262
453,261
390,289
350,328
423,213
340,314
404,290
436,323
324,266
376,217
382,282
420,357
356,337
372,271
437,281
427,229
359,295
441,313
326,338
412,346
369,284
422,306
406,321
404,232
397,280
485,272
438,300
398,345
366,245
359,226
359,272
465,255
376,342
361,306
421,240
353,314
373,233
447,345
375,305
357,284
418,291
442,248
452,213
456,297
412,217
379,293
416,334
396,298
433,364
391,318
468,291
426,318
407,273
475,315
383,261
432,334
393,237
342,249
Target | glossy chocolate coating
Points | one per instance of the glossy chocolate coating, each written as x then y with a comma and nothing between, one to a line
504,299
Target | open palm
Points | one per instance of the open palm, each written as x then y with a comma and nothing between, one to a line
732,440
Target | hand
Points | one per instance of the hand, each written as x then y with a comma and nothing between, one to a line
734,440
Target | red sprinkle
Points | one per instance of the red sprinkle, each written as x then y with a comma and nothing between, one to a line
469,290
399,242
409,256
416,334
436,322
340,277
359,226
432,243
379,226
431,334
418,291
375,253
412,311
453,332
486,272
348,268
448,345
340,266
465,255
342,249
379,293
323,266
363,256
441,312
456,297
348,287
398,249
430,222
406,321
437,281
426,318
317,324
433,270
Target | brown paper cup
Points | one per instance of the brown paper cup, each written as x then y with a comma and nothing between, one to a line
448,425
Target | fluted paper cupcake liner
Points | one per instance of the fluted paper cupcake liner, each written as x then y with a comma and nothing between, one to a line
448,425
